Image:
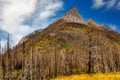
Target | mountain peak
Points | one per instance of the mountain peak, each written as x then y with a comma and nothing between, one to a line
72,15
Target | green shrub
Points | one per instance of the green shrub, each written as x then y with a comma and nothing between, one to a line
64,45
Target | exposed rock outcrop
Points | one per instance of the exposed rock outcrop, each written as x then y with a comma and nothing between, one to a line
91,22
72,15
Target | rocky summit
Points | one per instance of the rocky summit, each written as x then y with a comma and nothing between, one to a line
72,15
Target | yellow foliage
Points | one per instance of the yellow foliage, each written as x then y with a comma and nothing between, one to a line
114,76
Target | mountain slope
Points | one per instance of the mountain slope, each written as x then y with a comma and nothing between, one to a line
67,46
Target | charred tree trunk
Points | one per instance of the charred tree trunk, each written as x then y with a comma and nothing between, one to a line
90,51
8,53
55,56
31,65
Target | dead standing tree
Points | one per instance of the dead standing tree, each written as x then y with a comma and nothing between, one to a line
31,61
1,68
53,35
90,51
55,56
23,58
8,53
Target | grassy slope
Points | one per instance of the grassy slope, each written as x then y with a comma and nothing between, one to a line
112,76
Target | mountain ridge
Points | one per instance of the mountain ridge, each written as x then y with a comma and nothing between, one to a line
71,15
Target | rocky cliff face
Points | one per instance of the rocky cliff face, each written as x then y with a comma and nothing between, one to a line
72,15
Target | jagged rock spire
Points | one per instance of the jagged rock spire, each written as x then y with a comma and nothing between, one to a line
72,15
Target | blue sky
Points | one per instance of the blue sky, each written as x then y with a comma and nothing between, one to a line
21,17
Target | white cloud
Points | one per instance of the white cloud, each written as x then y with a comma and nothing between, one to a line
20,17
46,9
114,27
108,4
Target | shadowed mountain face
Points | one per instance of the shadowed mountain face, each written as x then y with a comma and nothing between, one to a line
67,46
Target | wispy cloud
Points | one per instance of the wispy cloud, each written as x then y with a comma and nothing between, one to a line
108,4
118,5
20,17
97,3
114,27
